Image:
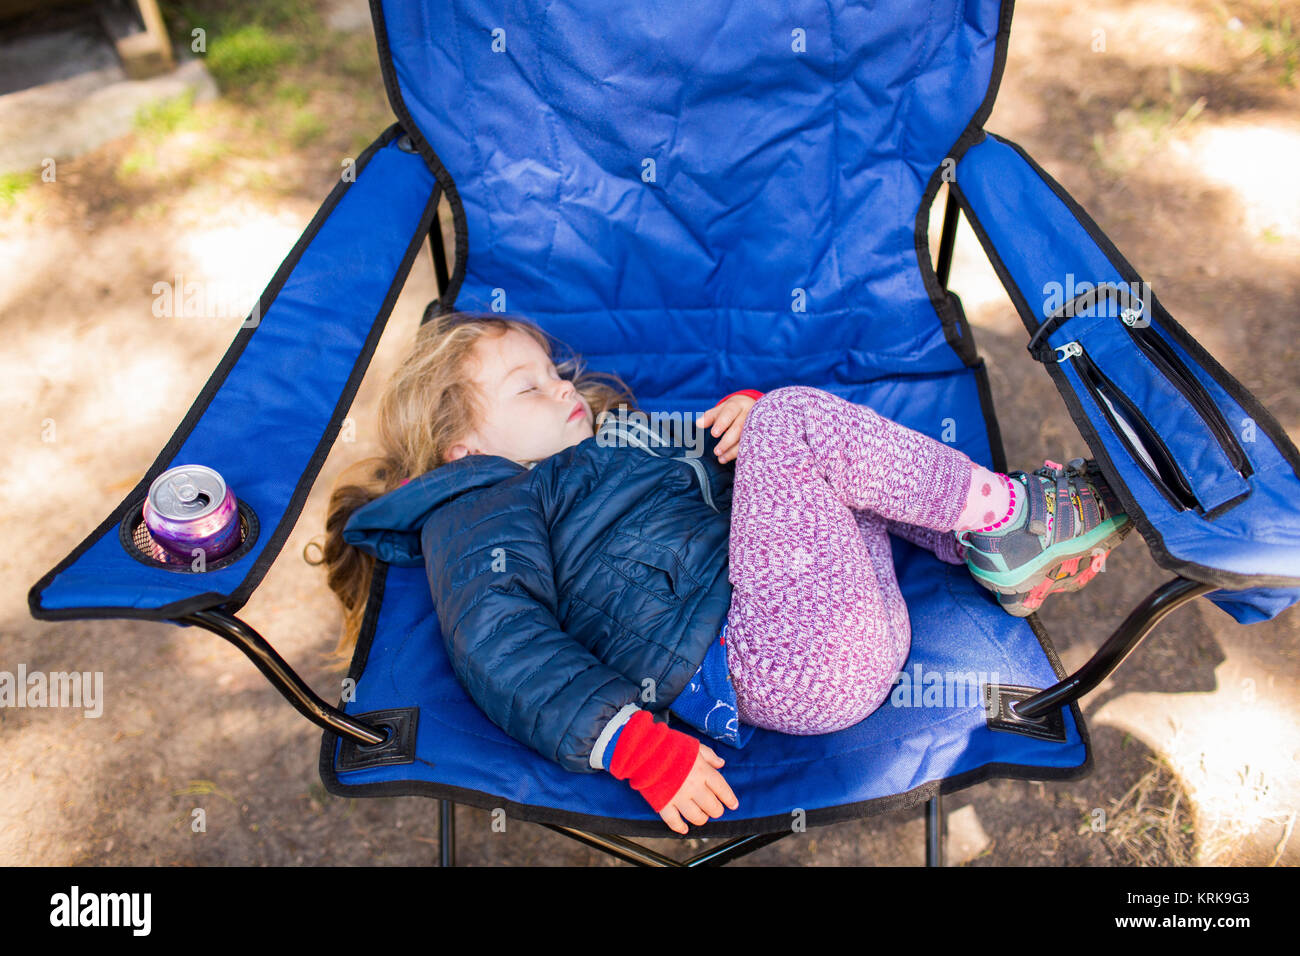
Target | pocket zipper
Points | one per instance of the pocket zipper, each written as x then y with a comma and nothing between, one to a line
1164,358
1131,427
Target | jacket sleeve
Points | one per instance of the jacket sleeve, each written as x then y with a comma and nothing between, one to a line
491,575
943,544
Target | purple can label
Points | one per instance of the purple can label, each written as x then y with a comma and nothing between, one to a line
190,507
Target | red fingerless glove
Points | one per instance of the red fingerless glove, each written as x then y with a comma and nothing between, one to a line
752,393
653,758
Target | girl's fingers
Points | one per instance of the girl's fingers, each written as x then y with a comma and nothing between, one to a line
707,417
718,784
732,438
691,810
674,819
707,801
708,754
730,442
724,419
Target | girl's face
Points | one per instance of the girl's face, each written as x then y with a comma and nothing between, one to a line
531,413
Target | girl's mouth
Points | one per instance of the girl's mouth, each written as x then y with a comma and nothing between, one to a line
579,409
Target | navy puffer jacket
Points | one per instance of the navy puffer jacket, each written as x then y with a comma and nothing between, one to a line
565,592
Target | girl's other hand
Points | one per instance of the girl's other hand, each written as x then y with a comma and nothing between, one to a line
701,794
728,416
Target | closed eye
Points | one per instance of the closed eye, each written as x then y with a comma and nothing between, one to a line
554,374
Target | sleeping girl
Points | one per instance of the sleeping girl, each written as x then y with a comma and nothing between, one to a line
591,574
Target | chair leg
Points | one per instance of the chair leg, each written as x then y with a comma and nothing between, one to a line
446,833
934,831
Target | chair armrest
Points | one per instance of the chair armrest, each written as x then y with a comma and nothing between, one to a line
1208,475
269,414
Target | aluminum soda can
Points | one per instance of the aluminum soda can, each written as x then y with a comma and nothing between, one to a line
190,507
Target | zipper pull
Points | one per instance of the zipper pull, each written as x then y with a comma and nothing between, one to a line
1070,349
1130,316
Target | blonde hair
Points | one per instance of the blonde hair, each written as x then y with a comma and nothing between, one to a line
430,404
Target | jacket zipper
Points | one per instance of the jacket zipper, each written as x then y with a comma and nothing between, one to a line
1164,358
625,429
1161,467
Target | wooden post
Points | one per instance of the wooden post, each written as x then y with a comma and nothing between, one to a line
144,53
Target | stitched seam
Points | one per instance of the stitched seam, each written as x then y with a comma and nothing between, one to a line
671,602
625,627
464,559
470,108
537,713
680,560
510,707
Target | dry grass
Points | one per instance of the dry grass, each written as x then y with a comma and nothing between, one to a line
1151,824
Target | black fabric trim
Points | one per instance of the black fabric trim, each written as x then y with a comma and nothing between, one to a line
955,327
990,417
1225,580
460,223
240,595
845,813
827,816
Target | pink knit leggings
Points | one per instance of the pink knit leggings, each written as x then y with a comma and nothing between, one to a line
817,627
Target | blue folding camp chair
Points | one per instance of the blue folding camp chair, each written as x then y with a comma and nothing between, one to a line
701,199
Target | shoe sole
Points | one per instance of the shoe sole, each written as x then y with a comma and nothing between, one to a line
1061,579
1105,536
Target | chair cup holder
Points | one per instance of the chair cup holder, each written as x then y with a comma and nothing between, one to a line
140,544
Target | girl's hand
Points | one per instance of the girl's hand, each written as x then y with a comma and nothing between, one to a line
728,416
701,794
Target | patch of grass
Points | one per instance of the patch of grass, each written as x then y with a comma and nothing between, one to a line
1141,129
203,788
217,17
13,185
1273,36
248,56
136,162
1151,825
356,57
306,127
292,93
290,86
1279,43
246,43
156,120
149,212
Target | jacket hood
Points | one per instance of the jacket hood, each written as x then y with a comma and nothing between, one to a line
389,527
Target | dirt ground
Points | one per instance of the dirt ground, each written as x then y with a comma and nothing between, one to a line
1177,138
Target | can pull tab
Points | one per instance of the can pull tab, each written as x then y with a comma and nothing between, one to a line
183,488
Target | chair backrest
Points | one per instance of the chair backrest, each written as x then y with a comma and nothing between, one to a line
735,192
